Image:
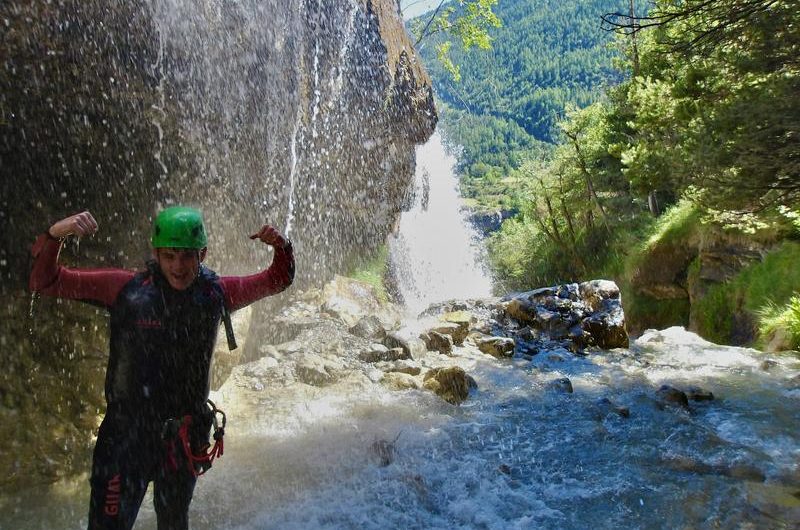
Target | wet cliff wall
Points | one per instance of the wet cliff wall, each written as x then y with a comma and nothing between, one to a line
301,114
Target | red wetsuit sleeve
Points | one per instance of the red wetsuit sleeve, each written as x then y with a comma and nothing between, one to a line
51,279
241,291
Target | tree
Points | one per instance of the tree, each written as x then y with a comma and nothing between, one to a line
717,104
466,21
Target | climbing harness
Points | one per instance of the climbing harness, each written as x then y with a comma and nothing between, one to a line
176,435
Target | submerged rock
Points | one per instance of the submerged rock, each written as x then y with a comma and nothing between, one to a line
604,407
698,394
562,384
668,395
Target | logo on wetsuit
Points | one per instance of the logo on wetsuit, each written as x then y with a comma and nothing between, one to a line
112,496
148,323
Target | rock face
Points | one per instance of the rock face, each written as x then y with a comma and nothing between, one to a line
304,115
678,273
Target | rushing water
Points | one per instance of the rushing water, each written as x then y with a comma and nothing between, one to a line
435,253
517,454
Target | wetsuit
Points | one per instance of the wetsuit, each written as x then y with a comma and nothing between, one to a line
161,345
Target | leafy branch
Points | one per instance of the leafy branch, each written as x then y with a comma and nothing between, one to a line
467,21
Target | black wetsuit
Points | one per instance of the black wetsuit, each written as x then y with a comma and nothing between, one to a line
162,341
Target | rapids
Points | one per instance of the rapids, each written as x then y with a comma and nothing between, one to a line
516,454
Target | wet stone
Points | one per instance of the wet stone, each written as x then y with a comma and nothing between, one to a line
562,384
451,384
380,353
668,395
405,367
500,347
414,347
369,327
399,381
456,330
768,364
438,342
699,394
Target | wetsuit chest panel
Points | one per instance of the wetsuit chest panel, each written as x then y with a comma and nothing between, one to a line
161,343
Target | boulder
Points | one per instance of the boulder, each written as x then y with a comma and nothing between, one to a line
594,292
451,384
399,381
521,310
405,367
552,323
413,347
500,347
671,396
315,370
369,327
380,353
456,331
439,342
350,300
606,326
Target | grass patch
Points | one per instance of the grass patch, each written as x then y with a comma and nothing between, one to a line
775,319
678,224
372,270
756,291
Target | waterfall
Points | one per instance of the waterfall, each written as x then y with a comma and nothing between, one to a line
435,253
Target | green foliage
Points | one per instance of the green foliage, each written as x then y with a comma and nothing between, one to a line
775,319
548,56
676,226
467,21
722,114
754,291
372,270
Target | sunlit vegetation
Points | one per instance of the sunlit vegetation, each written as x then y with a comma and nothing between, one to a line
695,103
776,319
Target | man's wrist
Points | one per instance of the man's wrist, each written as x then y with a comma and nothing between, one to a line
51,236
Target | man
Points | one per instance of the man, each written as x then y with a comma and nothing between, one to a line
164,323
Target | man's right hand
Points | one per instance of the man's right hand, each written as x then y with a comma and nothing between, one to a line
80,224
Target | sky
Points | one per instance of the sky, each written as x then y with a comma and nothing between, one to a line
413,8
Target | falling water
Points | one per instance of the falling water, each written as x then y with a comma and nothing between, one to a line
158,69
435,253
293,170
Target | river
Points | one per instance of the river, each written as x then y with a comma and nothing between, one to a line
519,453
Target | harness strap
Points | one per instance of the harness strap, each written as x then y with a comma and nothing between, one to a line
197,464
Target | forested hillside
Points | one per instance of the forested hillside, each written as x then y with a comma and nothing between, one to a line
677,173
548,55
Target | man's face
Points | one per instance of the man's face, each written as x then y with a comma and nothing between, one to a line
180,266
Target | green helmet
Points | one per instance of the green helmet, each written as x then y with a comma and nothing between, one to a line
179,227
